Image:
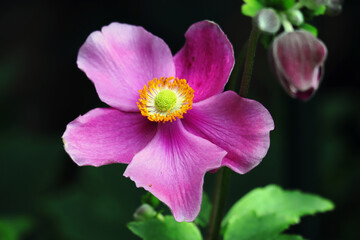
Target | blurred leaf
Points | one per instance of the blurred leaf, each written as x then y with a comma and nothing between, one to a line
150,199
266,40
165,229
312,5
30,166
320,11
310,28
251,7
309,14
10,69
262,204
205,211
97,206
280,4
289,237
14,228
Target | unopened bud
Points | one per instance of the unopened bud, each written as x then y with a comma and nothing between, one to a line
298,62
333,7
296,17
144,212
267,21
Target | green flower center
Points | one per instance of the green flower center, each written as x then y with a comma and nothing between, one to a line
165,100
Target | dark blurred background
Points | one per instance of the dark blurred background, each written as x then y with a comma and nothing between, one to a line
45,195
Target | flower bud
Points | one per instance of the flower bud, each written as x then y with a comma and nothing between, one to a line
296,17
144,212
298,60
333,7
267,21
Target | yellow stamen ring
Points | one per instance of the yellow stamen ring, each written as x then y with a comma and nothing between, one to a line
165,99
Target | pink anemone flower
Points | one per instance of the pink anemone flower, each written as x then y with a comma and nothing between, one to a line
169,118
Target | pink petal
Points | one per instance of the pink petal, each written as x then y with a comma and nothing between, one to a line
206,60
106,135
172,167
121,59
238,125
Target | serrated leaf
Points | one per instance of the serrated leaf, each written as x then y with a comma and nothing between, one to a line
205,211
165,229
272,200
251,7
250,226
310,28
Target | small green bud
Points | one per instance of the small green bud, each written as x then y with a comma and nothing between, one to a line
296,17
267,20
144,212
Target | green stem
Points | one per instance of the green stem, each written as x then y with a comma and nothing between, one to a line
234,78
222,177
297,6
218,207
249,61
288,27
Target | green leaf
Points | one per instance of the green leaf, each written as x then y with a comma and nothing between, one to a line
310,28
250,226
266,40
205,211
96,206
280,5
285,207
289,237
165,229
320,11
251,7
150,199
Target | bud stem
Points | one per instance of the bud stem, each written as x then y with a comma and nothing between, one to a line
249,62
286,23
297,6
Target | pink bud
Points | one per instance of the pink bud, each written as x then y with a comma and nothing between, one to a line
298,60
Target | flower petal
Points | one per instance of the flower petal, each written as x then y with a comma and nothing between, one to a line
121,59
206,60
238,125
172,167
106,135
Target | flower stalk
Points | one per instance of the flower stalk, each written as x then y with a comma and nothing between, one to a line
288,27
223,174
219,200
249,61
